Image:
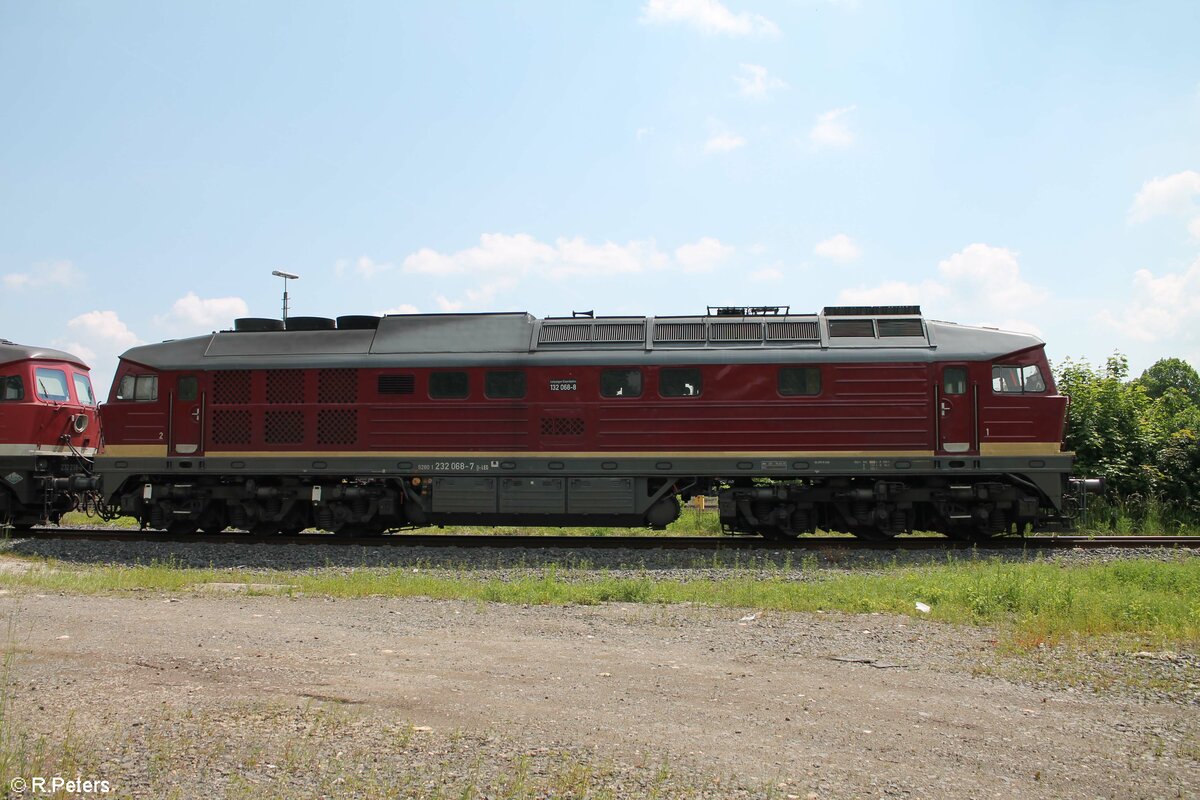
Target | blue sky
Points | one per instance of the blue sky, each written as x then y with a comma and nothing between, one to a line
1029,165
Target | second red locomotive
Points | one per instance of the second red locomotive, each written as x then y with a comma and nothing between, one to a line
48,433
874,420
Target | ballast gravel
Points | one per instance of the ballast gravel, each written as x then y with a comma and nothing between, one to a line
218,694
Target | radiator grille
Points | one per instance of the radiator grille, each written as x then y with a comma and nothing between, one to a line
397,384
337,386
553,333
620,332
231,426
337,426
283,427
735,332
285,386
231,388
901,327
793,331
562,426
679,332
841,328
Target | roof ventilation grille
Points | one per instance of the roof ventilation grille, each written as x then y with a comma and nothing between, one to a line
620,332
805,331
554,333
679,332
736,332
852,328
901,327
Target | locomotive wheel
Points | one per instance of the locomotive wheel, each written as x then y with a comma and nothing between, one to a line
213,519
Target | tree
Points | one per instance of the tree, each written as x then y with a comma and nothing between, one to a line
1171,373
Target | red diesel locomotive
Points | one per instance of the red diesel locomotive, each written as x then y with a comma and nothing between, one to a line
48,433
872,420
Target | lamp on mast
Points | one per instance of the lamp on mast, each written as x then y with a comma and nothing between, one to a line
287,276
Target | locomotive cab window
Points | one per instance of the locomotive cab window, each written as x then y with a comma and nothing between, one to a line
83,390
448,385
799,381
621,383
12,388
138,387
1017,380
954,380
504,385
679,382
52,385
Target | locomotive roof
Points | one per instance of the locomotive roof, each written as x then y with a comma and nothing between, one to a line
10,352
519,338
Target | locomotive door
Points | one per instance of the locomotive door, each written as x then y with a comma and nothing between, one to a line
186,416
954,411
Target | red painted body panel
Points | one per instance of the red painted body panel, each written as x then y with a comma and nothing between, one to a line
46,423
861,407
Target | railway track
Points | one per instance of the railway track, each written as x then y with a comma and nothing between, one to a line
614,542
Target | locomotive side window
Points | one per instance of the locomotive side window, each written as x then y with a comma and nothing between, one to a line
621,383
138,387
507,385
448,385
679,382
1015,380
83,390
189,389
954,380
11,388
799,381
52,385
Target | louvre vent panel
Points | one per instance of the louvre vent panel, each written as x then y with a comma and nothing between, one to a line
620,332
901,327
285,386
397,384
793,331
736,332
337,426
230,426
553,333
231,388
679,332
562,426
337,386
844,328
283,427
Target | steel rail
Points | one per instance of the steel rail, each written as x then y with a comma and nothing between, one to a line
581,542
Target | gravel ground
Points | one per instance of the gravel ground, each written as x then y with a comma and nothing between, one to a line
213,694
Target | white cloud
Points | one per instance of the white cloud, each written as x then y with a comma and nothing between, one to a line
980,283
990,275
403,308
838,248
501,261
707,16
892,293
702,255
363,267
98,337
46,274
724,143
642,133
1194,228
756,82
1160,308
1174,194
521,254
831,129
193,315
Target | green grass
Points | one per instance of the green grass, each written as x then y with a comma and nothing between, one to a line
1038,599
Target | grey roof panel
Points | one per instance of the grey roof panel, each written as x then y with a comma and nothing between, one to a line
10,352
454,333
460,340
